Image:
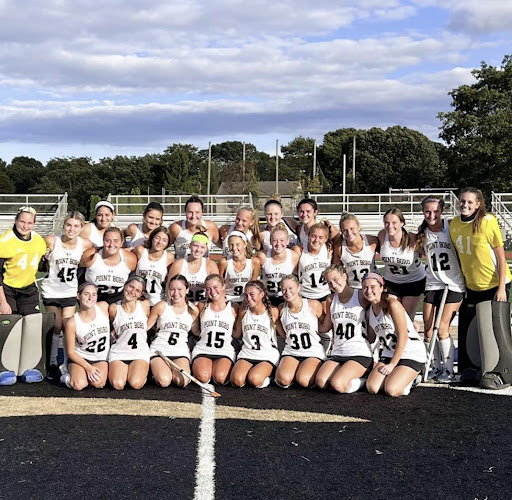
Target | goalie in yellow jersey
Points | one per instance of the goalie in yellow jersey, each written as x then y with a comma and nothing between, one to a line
21,346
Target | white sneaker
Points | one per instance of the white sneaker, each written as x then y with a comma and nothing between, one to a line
264,384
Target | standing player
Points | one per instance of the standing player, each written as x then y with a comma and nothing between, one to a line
154,262
239,267
274,215
403,353
443,270
21,250
404,272
182,231
129,352
350,358
213,355
256,326
109,267
195,267
355,251
307,210
94,231
152,218
173,318
479,244
246,222
87,337
298,324
59,288
276,263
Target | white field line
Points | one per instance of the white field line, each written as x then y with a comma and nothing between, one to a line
205,468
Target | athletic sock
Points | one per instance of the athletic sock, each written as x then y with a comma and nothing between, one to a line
447,348
407,388
355,385
281,385
265,383
54,352
65,379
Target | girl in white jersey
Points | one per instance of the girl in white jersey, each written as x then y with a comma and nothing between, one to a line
246,222
60,287
354,250
239,267
307,210
129,352
213,355
182,231
443,270
298,325
195,267
173,318
403,353
256,327
315,259
350,358
274,215
104,214
87,338
276,263
154,262
109,267
152,218
404,272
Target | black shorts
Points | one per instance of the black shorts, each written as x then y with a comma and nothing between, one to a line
213,357
362,360
256,362
321,299
415,365
172,358
88,361
475,297
412,289
110,298
61,303
434,297
127,361
276,301
300,359
23,300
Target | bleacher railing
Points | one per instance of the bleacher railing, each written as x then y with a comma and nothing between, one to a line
501,206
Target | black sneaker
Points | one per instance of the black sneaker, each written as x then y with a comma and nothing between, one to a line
471,375
53,373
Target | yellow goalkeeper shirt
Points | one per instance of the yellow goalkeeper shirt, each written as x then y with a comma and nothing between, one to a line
21,258
476,252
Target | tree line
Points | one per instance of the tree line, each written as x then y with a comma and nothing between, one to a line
477,150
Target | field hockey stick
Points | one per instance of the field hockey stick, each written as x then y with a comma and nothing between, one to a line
171,364
435,333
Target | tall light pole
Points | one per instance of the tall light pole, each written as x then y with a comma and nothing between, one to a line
277,166
314,158
209,173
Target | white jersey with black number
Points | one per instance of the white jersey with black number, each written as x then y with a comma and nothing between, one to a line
311,269
349,329
401,266
96,238
385,329
443,267
110,280
236,281
139,238
358,264
155,273
92,339
196,281
182,241
130,337
216,334
294,239
62,281
301,328
172,333
225,244
259,338
272,274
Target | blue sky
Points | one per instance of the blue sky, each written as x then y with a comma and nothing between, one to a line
85,79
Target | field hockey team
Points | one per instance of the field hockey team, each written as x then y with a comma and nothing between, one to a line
291,301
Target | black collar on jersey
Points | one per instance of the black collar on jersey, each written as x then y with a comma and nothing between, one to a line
471,217
19,236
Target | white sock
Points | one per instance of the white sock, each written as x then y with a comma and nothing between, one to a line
281,385
65,379
447,347
355,385
265,383
407,388
54,351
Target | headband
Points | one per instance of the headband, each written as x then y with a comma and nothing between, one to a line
29,210
374,276
104,203
202,238
239,234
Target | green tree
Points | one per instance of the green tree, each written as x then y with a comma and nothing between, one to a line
25,173
478,131
297,161
6,185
